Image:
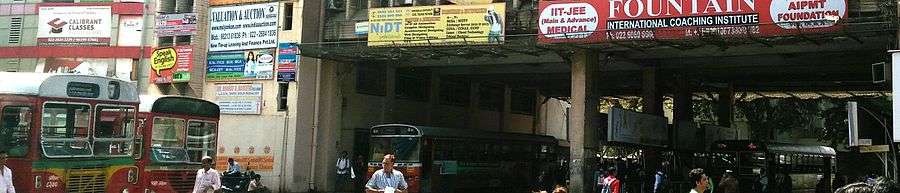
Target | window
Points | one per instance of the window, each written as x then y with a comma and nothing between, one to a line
113,131
282,96
288,22
412,84
490,96
406,149
370,79
15,122
201,140
15,30
165,41
168,140
454,92
167,6
64,130
184,6
182,40
523,101
381,3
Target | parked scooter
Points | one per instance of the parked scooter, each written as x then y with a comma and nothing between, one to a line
236,182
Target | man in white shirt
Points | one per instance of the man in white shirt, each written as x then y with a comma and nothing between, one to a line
6,183
387,180
207,178
701,182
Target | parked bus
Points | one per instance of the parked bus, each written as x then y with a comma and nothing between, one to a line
808,167
68,133
176,132
446,160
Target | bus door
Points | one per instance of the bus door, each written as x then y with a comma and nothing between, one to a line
15,127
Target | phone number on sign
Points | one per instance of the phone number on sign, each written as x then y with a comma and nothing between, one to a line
630,34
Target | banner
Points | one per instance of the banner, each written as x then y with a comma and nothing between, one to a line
441,25
287,62
589,21
182,24
637,128
243,27
239,98
74,25
240,65
229,2
171,65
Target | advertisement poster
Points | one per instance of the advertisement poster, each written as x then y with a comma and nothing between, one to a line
441,25
182,24
171,65
243,27
240,65
614,20
239,98
229,2
74,25
287,62
89,66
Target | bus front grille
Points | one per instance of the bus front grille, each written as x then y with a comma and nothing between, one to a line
86,181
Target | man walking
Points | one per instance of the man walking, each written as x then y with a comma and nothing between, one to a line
6,183
207,178
387,180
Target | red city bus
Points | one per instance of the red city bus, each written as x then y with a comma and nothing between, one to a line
68,133
177,132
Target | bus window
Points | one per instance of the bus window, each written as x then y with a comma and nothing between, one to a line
113,131
201,140
167,142
64,130
406,149
14,126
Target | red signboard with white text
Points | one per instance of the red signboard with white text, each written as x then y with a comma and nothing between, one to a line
587,21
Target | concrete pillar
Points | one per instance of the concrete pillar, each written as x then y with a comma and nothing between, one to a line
725,111
299,163
537,121
506,112
472,109
581,132
434,97
387,103
682,115
650,91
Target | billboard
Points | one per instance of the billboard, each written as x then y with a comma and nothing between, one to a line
287,62
442,25
182,24
243,27
74,25
637,128
229,2
171,65
240,65
239,98
611,20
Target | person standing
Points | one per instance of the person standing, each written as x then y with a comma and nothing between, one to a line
611,184
729,183
660,179
6,183
387,180
700,180
207,178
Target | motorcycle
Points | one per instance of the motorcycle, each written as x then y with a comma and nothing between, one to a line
236,182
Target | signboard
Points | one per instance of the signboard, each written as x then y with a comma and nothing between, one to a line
240,65
637,128
181,64
257,163
873,148
287,62
229,2
361,28
428,25
239,98
243,27
182,24
74,25
611,20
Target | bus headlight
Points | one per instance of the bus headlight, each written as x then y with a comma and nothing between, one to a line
132,176
37,182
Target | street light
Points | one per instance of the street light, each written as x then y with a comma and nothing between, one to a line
851,110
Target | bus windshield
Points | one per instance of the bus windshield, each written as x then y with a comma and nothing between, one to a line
64,130
405,148
168,140
201,140
113,131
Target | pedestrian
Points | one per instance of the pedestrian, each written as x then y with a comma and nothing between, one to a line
359,168
859,187
6,183
344,170
729,183
611,184
387,180
560,189
207,178
660,179
700,180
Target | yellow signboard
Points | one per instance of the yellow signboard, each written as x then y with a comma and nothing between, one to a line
437,25
162,59
873,148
